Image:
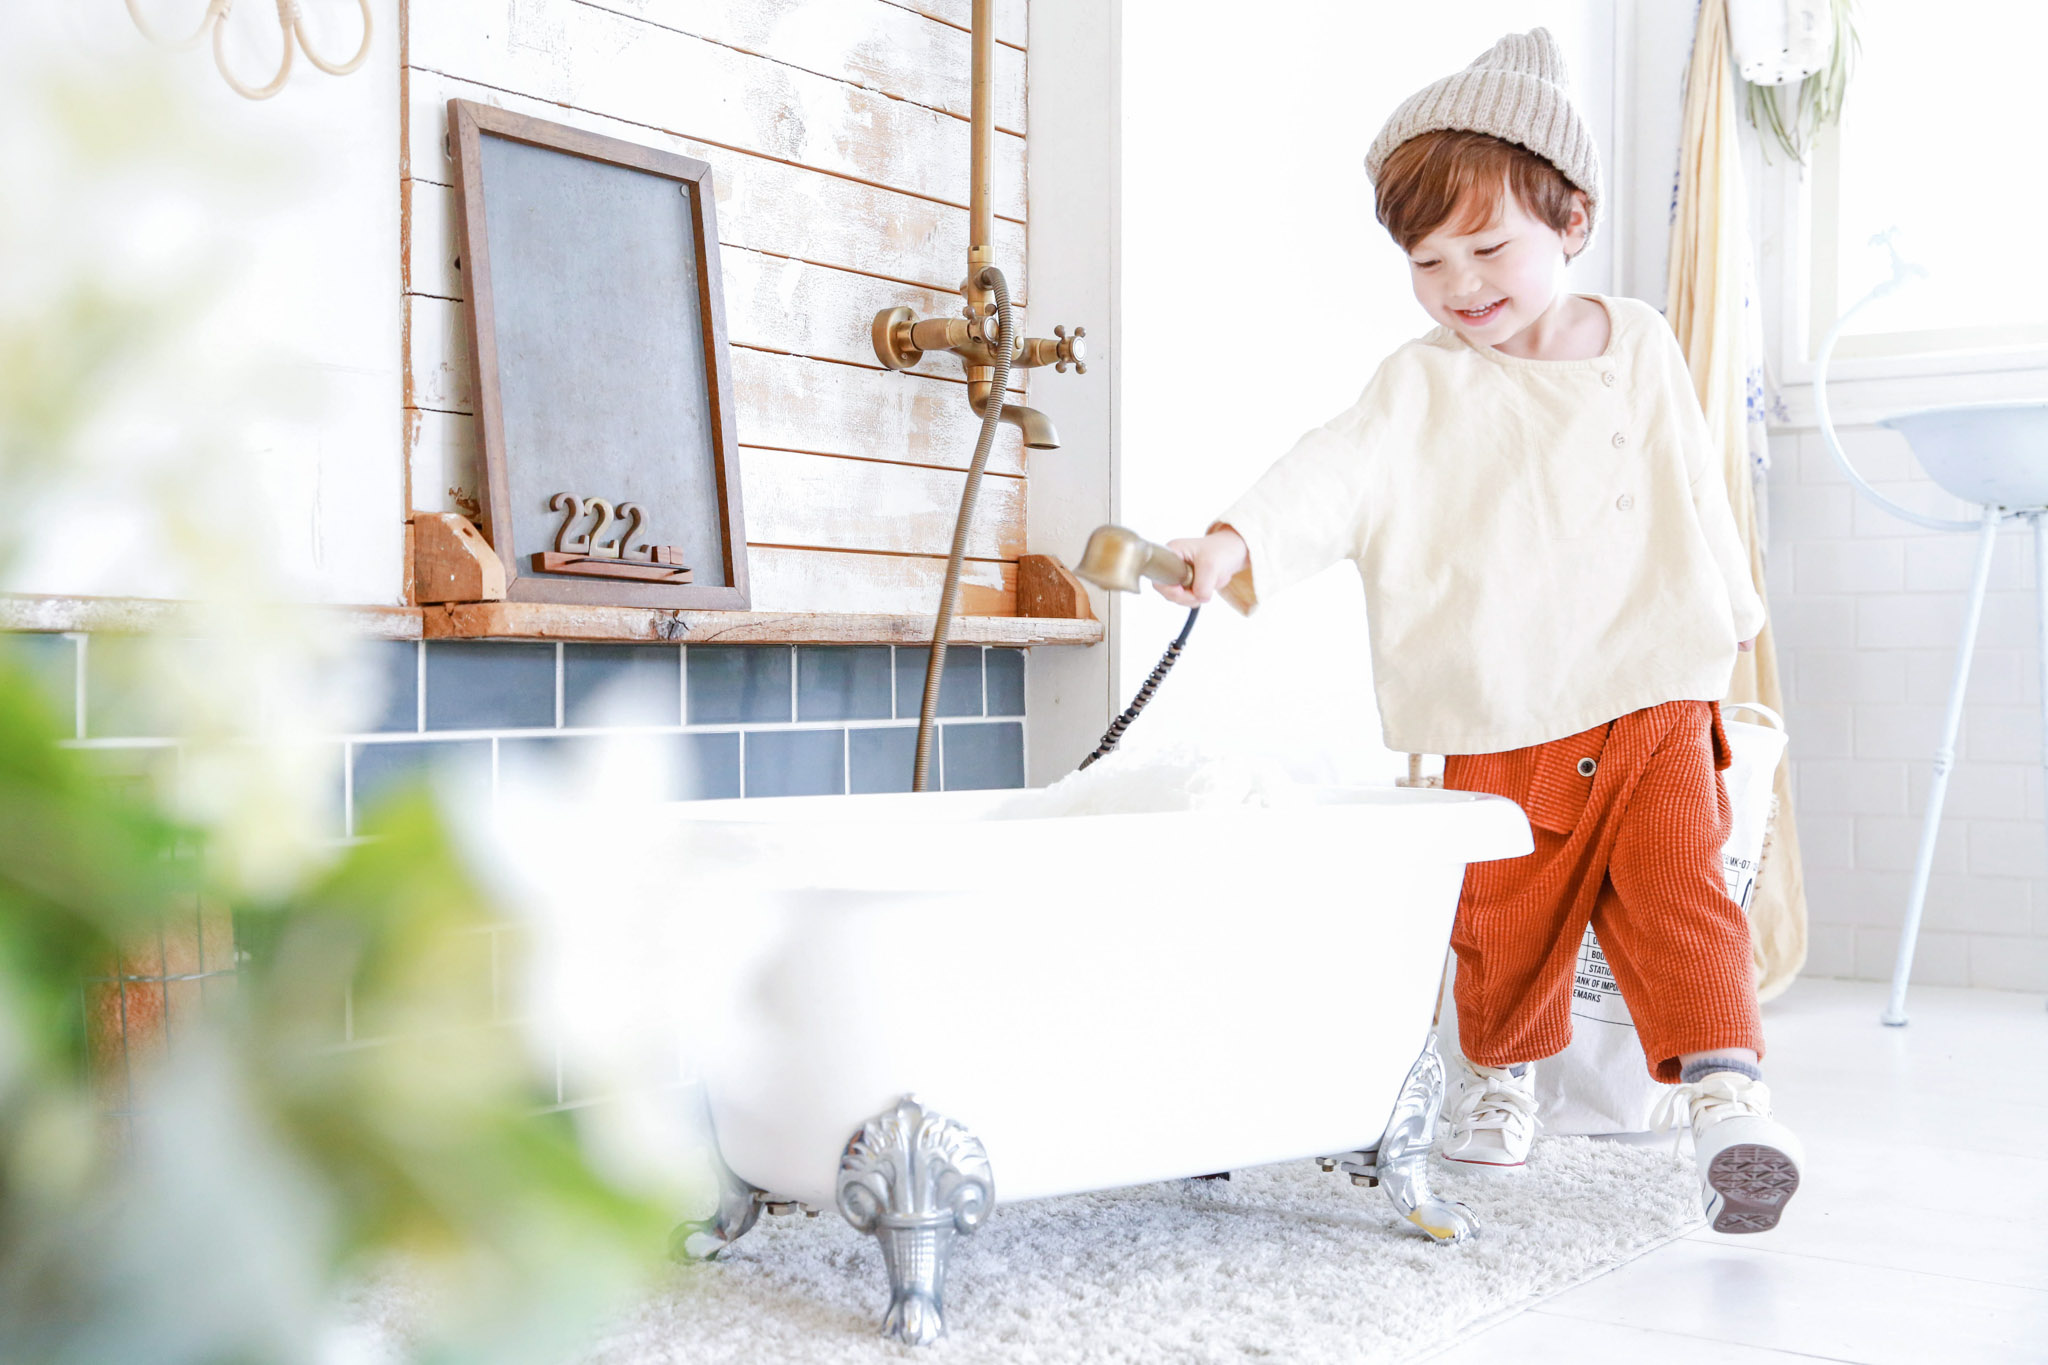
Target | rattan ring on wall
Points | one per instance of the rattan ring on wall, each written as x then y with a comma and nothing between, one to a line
290,20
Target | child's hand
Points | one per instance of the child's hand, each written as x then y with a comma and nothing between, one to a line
1217,557
1747,645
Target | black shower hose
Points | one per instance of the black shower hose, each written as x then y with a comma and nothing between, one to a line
1114,735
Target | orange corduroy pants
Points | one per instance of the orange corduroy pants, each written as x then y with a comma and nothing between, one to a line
1629,819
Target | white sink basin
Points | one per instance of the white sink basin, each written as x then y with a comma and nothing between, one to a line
1995,454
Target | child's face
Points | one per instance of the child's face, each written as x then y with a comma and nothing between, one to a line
1491,284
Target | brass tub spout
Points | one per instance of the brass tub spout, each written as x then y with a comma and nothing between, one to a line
1039,433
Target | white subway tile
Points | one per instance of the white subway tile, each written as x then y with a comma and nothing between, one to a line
1915,495
2001,734
1909,620
1949,563
1996,676
1880,455
1849,787
1828,842
1980,905
1821,622
1976,791
1939,959
1804,512
1891,843
2009,963
1825,566
1848,675
1909,732
2008,848
1861,898
1820,729
2011,620
1830,950
2039,892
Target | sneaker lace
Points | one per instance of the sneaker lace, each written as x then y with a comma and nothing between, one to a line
1699,1104
1491,1105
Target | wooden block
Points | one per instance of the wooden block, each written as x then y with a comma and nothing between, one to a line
1046,587
452,562
554,561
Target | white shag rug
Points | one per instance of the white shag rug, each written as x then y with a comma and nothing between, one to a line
1283,1262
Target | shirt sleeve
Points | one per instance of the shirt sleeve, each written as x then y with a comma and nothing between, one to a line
1710,495
1311,509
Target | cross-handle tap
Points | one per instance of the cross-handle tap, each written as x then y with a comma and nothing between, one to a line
901,339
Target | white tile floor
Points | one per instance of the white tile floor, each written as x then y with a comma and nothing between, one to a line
1919,1235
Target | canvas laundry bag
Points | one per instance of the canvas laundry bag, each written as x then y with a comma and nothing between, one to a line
1601,1083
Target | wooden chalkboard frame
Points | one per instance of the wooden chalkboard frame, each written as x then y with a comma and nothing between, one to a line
468,121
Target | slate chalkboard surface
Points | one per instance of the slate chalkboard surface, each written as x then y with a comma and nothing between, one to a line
597,322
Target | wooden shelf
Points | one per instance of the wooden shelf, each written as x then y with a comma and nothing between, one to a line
140,615
559,621
562,621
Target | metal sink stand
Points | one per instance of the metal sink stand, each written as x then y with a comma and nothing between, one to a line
1986,527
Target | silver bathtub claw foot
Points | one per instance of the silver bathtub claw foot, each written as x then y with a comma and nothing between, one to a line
913,1178
702,1239
1400,1164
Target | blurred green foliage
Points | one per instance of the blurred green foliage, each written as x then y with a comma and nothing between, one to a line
271,1161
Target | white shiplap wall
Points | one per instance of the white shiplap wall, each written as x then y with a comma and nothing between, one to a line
838,138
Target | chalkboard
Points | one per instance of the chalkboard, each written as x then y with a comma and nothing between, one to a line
597,323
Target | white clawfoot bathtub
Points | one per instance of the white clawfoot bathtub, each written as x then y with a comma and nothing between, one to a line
1075,1003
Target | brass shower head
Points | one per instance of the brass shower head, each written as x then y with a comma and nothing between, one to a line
1118,559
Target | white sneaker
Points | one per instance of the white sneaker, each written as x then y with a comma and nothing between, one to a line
1748,1161
1493,1119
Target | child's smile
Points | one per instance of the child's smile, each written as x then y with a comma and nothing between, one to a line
1501,283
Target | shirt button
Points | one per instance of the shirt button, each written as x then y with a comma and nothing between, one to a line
1620,439
1624,502
1587,767
1607,378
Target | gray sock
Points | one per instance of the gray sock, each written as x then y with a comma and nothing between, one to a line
1695,1070
1518,1069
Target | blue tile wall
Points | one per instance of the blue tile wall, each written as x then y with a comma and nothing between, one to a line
51,661
461,767
843,682
796,762
959,689
851,728
881,758
983,756
738,684
622,685
1005,681
490,685
395,665
118,699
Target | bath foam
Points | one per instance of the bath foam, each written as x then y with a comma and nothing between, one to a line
1183,776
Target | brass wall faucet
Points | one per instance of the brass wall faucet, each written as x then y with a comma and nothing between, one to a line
901,337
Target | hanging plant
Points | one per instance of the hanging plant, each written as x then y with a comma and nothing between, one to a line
1793,115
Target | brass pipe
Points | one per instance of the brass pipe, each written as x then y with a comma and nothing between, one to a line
981,172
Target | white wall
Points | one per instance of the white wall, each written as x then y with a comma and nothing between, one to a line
290,207
1253,295
1867,611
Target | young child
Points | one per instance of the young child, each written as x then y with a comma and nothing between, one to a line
1555,595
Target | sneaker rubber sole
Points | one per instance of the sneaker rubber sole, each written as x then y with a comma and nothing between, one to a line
1754,1182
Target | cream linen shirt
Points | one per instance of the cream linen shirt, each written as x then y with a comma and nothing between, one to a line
1545,544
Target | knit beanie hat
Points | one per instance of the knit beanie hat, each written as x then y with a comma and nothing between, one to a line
1516,92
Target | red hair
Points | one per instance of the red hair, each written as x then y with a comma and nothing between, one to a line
1456,177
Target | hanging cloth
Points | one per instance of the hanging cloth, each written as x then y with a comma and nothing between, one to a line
1712,305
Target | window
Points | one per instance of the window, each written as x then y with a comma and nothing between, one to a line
1940,139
